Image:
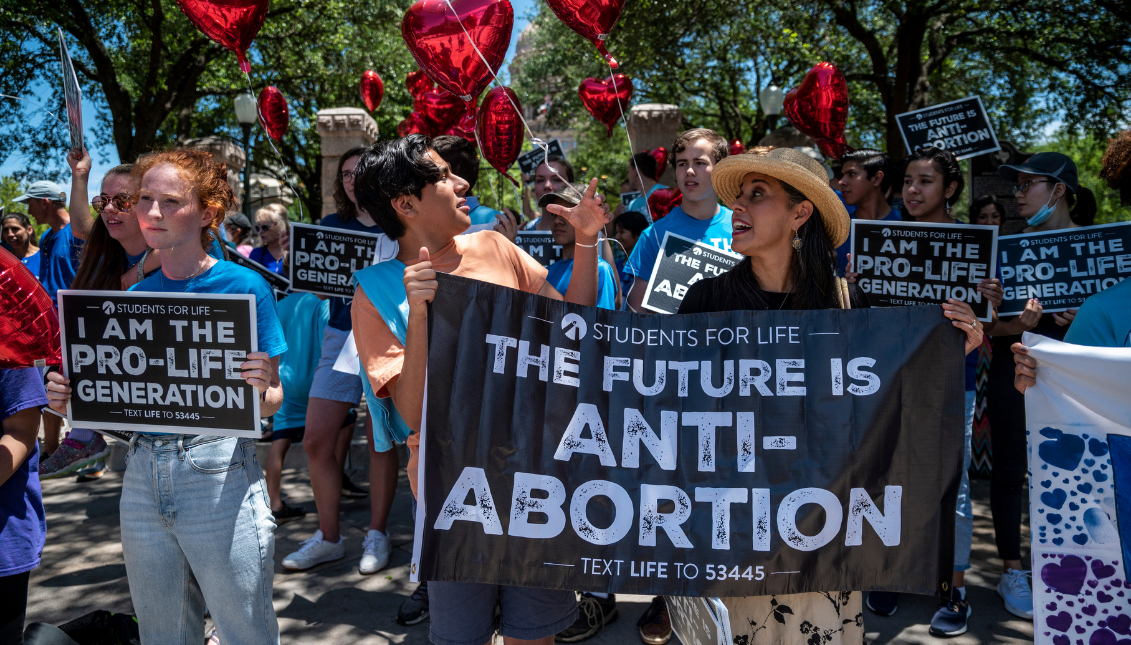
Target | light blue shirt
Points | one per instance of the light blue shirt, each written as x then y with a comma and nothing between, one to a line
715,232
640,204
483,218
1104,320
303,317
560,272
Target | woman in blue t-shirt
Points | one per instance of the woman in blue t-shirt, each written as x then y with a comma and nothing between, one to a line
19,238
271,224
196,526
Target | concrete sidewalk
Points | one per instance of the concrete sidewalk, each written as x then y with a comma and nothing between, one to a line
83,570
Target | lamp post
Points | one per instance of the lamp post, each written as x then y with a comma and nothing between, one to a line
771,98
246,114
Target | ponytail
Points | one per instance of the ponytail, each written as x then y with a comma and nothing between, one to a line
1082,207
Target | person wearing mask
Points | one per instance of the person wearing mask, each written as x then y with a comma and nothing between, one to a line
642,171
986,210
23,523
272,224
551,175
627,229
238,228
866,179
216,489
19,236
560,272
787,223
699,217
333,395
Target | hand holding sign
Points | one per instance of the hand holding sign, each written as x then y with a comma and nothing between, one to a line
257,371
963,318
420,284
589,216
80,162
58,392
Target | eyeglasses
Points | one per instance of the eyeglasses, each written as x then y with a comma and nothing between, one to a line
347,175
121,202
1024,186
264,227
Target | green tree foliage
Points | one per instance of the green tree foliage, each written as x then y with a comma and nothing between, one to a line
1087,151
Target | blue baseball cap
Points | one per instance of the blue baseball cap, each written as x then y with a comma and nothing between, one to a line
43,190
1050,164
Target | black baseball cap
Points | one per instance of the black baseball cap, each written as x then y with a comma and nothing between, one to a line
238,219
1050,164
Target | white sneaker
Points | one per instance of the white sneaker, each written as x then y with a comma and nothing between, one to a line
315,551
376,552
1014,590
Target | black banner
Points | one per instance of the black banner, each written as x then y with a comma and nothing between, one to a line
687,455
528,162
323,260
159,362
961,127
277,281
911,263
1062,268
681,263
540,246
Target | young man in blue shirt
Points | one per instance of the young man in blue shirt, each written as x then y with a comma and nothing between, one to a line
867,177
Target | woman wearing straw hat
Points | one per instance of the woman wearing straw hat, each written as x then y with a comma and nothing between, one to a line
788,223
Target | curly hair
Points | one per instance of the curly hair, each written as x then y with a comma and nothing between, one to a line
1117,166
346,209
209,179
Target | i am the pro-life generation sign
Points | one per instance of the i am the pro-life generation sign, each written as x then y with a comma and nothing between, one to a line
961,127
159,362
539,245
681,263
277,281
323,260
914,263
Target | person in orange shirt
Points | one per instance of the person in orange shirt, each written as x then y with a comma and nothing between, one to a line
410,191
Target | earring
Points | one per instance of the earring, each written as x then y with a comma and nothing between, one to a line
796,241
948,208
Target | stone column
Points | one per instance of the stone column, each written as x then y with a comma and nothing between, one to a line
655,125
341,129
227,152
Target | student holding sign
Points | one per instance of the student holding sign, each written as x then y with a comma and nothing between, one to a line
561,272
185,495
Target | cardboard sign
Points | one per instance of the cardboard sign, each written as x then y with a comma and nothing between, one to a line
628,198
528,161
159,362
540,246
277,281
681,263
961,127
1062,268
323,260
912,263
72,93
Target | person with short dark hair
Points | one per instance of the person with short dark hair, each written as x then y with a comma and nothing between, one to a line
986,210
867,177
463,159
19,237
643,176
627,228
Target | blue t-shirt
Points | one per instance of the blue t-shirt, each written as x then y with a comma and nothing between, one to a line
715,231
303,317
1104,320
340,307
61,252
23,525
559,273
261,255
640,204
843,250
483,218
229,277
32,263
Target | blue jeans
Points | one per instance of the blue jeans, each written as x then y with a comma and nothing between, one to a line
964,509
197,528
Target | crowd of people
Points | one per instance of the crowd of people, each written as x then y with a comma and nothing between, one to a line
166,223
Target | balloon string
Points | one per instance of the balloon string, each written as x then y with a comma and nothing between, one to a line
282,163
38,105
647,209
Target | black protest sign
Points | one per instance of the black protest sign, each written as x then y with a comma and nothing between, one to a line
912,263
628,198
528,162
159,362
681,263
1062,268
727,454
539,245
72,94
278,282
961,127
323,260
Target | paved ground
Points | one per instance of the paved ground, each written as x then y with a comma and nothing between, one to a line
83,570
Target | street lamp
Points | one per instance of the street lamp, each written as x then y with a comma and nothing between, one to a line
246,114
771,98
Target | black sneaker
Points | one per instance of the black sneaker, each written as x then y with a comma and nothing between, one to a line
882,603
93,472
593,613
951,618
350,489
415,609
287,513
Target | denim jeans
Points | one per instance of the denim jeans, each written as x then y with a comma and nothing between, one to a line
197,528
964,509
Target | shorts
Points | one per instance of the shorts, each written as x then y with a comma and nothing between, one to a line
463,613
329,383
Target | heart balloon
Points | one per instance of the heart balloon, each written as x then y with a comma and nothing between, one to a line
273,112
439,41
414,124
606,98
372,90
593,19
465,128
232,23
819,108
440,111
418,83
736,147
29,326
500,129
663,200
661,156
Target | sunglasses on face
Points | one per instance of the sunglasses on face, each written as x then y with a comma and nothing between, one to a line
264,227
121,202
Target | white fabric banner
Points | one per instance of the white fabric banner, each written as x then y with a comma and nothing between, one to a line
1081,594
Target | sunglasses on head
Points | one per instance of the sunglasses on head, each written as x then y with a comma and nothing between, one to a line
121,201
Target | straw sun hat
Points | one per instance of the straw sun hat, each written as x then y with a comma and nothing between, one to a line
794,168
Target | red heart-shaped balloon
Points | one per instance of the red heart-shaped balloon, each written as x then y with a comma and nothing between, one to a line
441,47
606,98
736,147
593,19
232,23
500,129
465,128
372,90
663,200
29,325
418,83
661,156
440,111
273,112
819,108
414,124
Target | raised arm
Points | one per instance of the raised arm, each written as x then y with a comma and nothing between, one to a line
588,217
79,204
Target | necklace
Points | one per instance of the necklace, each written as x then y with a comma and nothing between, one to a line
186,279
